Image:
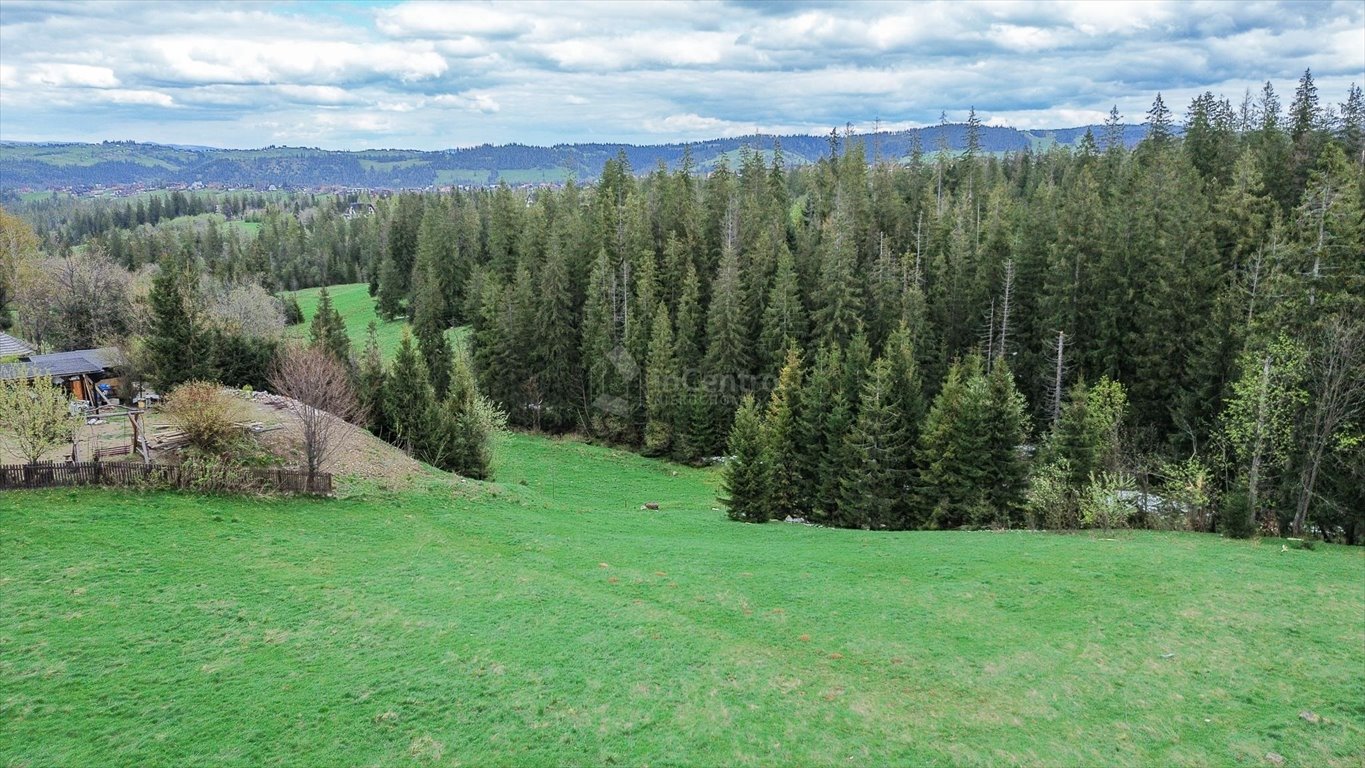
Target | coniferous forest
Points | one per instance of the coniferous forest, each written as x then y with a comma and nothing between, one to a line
1095,336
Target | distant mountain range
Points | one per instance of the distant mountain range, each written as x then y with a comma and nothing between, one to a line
112,164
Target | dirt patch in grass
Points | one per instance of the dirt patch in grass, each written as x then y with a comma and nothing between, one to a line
361,455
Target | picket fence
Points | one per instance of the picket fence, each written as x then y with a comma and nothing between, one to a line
207,478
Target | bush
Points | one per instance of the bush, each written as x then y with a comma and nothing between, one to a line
1189,484
208,415
459,434
1050,502
1232,516
293,313
1102,504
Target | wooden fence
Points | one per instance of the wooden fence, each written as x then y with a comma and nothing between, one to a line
208,478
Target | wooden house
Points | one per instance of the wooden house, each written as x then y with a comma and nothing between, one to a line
77,371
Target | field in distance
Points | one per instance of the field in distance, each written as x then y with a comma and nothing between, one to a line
356,307
549,620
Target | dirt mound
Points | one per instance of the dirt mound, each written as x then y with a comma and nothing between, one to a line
360,454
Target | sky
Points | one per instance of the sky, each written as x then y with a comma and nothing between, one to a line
436,75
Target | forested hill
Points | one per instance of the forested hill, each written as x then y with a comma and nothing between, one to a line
53,165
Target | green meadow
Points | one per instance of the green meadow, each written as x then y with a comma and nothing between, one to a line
547,619
356,307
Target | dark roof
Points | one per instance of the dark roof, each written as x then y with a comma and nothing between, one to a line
67,365
12,347
104,357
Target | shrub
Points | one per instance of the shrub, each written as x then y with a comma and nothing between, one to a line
1233,520
208,415
1190,485
293,313
1049,502
1102,504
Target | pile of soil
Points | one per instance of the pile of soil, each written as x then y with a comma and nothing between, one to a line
360,454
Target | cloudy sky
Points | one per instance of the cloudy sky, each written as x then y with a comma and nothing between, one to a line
425,75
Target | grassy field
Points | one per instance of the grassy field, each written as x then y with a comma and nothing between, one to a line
357,309
548,620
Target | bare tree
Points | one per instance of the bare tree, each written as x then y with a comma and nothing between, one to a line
1056,392
1338,395
76,302
320,397
244,308
1005,309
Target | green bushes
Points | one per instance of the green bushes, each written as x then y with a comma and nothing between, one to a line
454,433
208,415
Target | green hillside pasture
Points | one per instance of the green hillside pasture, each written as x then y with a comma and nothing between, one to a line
534,175
389,165
92,154
457,176
549,620
356,306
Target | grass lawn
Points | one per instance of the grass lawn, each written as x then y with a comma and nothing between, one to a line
548,620
356,306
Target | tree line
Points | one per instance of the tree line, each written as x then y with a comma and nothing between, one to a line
1208,279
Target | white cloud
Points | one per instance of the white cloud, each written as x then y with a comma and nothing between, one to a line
694,126
1119,17
137,96
206,59
316,94
427,75
471,100
80,75
440,20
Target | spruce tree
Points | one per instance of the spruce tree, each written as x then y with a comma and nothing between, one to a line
839,293
833,464
180,344
747,475
464,418
907,388
784,317
661,380
857,364
874,482
429,313
813,411
409,400
689,327
1351,129
1159,123
638,334
517,379
727,353
886,287
1006,424
1073,440
1304,116
781,438
392,289
601,351
328,331
953,451
555,340
371,384
702,429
